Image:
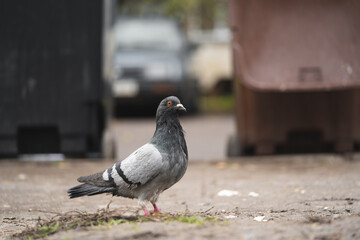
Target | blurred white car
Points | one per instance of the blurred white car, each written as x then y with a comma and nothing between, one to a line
212,62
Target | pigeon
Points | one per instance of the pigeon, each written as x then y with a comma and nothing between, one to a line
149,170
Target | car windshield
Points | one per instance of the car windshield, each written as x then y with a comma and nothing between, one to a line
147,34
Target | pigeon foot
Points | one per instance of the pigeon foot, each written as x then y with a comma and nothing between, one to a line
147,214
156,210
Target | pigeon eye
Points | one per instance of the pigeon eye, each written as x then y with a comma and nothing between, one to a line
169,103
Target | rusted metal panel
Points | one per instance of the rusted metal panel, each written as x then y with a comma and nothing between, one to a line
290,45
297,75
271,122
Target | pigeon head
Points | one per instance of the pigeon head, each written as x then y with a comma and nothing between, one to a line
169,106
169,133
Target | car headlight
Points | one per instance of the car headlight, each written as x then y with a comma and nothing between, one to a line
161,70
157,71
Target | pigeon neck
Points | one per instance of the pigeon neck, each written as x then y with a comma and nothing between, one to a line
168,129
169,135
168,123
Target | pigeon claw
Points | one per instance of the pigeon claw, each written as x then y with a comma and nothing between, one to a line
147,214
156,210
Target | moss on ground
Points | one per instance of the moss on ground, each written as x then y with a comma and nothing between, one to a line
105,219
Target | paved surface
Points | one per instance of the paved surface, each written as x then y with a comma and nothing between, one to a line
279,197
295,197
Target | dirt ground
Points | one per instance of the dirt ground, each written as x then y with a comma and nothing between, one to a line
283,197
277,197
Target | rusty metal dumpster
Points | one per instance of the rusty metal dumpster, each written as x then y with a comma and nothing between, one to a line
297,76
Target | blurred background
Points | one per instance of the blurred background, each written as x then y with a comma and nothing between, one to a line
84,78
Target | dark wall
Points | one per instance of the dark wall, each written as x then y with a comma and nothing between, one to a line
50,74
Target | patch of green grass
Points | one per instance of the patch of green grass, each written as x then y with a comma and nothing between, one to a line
106,220
214,219
117,221
108,223
50,227
217,104
44,231
186,219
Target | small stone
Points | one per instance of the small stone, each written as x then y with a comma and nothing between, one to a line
227,193
22,176
253,194
259,218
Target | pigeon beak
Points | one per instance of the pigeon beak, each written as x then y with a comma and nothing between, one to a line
180,107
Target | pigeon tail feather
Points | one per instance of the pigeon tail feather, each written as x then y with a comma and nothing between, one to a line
89,190
83,179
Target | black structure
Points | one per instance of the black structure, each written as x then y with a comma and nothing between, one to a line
51,87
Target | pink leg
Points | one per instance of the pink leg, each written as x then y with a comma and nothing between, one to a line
156,209
147,214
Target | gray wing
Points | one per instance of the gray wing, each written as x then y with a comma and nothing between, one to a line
138,168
